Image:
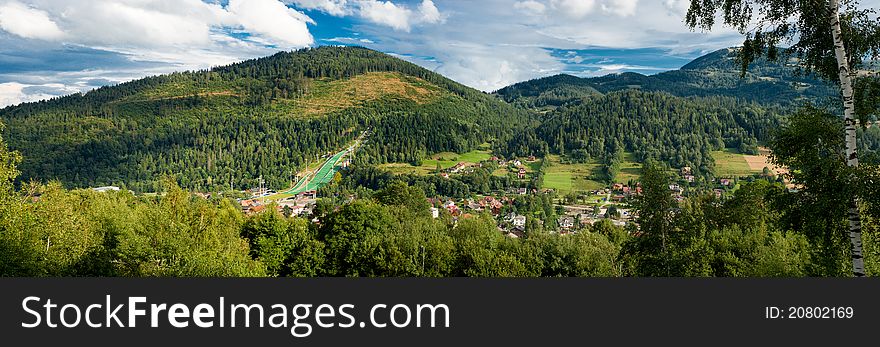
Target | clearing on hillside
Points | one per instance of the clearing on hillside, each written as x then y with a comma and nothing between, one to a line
326,96
758,162
566,178
731,163
630,169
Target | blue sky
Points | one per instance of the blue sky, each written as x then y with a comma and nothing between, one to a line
56,47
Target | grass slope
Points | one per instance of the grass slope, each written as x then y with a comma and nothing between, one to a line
566,178
730,163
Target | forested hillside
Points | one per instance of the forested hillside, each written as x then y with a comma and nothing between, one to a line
676,130
226,126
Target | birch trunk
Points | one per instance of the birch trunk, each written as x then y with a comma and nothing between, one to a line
852,160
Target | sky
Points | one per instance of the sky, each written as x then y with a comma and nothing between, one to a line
57,47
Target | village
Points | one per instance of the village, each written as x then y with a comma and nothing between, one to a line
610,203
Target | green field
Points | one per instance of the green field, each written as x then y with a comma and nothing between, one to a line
566,178
730,163
445,159
630,169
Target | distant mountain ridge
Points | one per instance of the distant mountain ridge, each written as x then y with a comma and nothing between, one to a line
714,74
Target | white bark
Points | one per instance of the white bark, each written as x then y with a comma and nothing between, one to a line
852,159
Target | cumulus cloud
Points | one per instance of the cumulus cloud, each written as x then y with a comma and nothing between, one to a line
387,13
429,12
155,23
274,20
27,22
398,16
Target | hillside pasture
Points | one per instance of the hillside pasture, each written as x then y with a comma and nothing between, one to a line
731,163
566,178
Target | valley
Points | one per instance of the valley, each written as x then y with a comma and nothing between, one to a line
342,161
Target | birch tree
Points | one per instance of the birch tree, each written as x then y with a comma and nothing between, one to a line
830,37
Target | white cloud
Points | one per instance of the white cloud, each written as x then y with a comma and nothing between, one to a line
274,20
27,22
429,12
530,7
395,15
386,13
333,7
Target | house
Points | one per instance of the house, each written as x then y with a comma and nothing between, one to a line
522,173
686,170
689,178
444,175
522,191
566,222
726,182
718,193
435,212
532,158
492,204
458,167
676,188
517,163
519,221
106,189
617,187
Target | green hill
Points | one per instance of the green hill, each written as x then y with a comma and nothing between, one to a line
268,116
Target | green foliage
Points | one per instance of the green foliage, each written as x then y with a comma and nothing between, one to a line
285,246
85,233
400,194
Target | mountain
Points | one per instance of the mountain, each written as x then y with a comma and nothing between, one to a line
264,117
714,74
